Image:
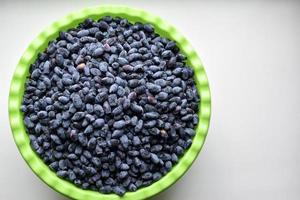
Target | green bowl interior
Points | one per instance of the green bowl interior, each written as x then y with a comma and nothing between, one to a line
41,42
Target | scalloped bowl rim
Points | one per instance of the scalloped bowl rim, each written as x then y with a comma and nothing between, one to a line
40,43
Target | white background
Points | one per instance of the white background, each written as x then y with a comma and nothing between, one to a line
251,52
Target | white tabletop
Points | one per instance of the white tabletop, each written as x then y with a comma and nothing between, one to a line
251,54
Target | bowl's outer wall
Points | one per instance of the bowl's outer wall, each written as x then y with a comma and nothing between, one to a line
40,43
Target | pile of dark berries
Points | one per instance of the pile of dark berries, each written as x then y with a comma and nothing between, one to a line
110,105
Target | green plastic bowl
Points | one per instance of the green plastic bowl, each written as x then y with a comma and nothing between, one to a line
40,43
